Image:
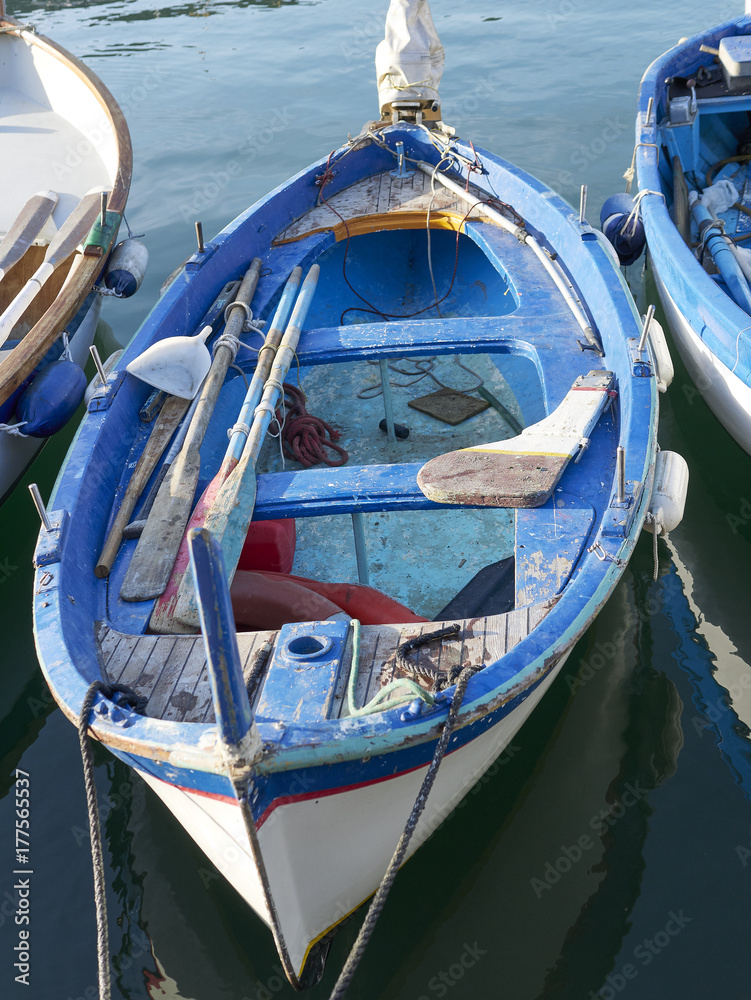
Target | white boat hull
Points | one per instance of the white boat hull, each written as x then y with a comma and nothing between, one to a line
324,855
727,396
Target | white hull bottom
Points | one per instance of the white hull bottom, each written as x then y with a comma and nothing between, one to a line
323,856
17,453
727,396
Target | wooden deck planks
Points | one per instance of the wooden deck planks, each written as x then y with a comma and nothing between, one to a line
379,194
171,671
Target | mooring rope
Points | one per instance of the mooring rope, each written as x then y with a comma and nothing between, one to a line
95,830
374,911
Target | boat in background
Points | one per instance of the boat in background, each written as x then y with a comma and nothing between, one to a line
415,596
65,146
693,169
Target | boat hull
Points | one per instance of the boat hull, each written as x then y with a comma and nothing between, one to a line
727,396
324,854
337,772
711,330
63,133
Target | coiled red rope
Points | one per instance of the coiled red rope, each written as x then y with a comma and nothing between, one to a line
306,438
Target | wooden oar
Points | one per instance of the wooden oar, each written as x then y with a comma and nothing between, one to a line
521,471
64,243
213,318
155,553
164,427
230,516
25,229
162,617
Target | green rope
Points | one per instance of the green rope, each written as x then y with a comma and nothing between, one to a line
381,702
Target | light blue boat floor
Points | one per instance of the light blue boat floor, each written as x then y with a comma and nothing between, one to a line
403,558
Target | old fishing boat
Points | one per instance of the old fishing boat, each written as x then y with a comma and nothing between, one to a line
64,175
486,407
692,161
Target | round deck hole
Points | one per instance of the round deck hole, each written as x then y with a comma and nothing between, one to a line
308,646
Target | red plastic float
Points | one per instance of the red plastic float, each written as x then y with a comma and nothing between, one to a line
266,600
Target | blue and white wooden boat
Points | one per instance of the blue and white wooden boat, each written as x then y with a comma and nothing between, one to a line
692,132
296,776
64,141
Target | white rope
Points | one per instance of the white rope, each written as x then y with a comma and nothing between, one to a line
629,226
239,428
231,343
13,429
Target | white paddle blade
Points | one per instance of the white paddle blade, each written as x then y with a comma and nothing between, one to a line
521,471
75,228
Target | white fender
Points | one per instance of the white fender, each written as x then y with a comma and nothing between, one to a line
668,493
663,363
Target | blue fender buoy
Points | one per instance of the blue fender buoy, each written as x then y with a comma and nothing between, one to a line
628,245
52,398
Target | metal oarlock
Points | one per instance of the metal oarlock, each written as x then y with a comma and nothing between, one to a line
583,205
36,496
645,329
104,208
199,237
648,116
620,464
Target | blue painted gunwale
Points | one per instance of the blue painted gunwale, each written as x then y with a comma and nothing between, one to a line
711,313
69,599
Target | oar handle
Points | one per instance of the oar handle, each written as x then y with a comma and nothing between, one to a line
266,357
23,300
220,364
272,391
232,510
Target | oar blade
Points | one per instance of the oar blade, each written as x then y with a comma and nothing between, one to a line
227,521
152,562
75,228
163,620
522,471
25,229
488,479
166,423
151,566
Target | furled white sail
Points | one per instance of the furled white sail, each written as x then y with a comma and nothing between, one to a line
409,61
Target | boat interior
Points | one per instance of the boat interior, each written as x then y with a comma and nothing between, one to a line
442,315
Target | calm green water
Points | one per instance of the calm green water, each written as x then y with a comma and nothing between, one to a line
608,851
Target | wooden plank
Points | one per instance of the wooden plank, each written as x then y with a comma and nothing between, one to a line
182,700
151,656
169,678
